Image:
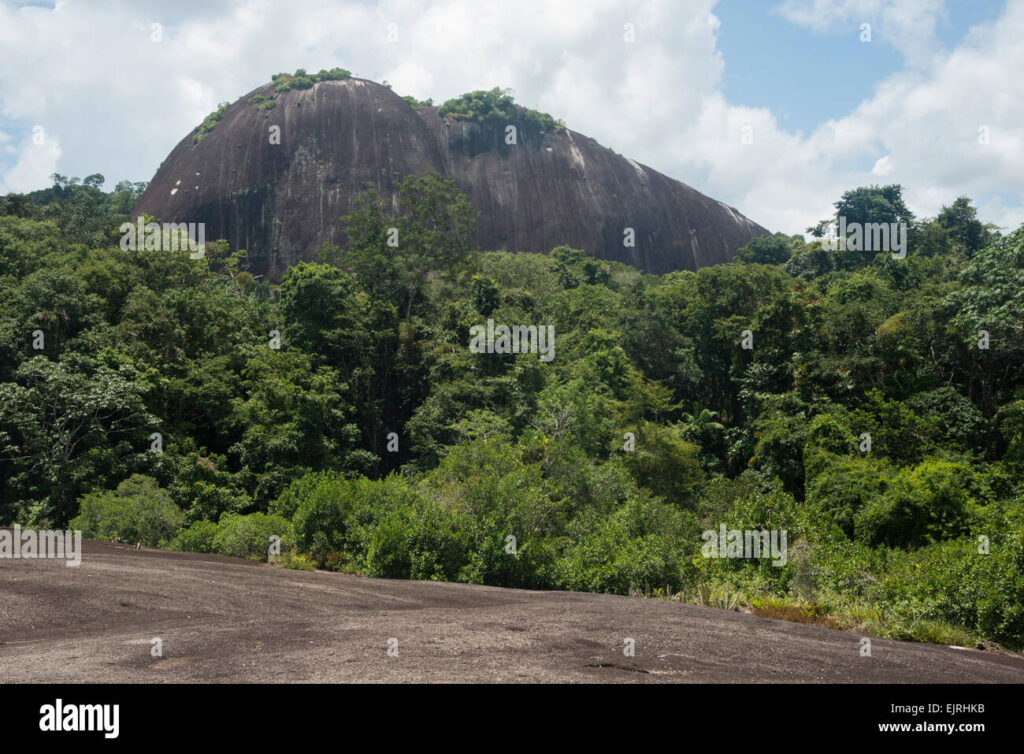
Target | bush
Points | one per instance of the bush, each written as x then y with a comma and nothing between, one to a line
496,106
639,547
297,562
1001,607
844,485
199,537
421,542
958,420
210,122
666,464
319,524
927,503
138,512
287,503
302,80
249,536
210,501
952,581
338,515
418,103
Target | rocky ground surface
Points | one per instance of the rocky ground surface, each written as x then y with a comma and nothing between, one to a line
227,620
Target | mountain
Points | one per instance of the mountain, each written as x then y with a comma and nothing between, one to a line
553,186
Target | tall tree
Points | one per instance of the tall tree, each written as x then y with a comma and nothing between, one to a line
430,233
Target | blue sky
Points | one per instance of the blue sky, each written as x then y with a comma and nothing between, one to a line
808,77
828,112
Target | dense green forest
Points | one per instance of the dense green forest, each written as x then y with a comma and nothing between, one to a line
870,407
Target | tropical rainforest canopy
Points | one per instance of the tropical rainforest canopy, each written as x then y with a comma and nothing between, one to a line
870,407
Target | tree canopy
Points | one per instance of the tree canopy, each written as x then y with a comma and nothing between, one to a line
870,407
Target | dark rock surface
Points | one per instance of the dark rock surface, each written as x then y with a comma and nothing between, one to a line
281,201
229,620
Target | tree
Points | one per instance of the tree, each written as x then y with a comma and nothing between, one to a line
665,464
990,297
323,312
496,107
864,206
567,262
700,424
766,250
874,204
960,219
66,427
296,417
486,296
928,503
430,234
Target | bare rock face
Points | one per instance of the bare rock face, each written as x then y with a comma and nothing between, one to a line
280,201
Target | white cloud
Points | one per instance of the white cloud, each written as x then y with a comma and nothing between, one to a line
113,101
908,25
33,166
883,167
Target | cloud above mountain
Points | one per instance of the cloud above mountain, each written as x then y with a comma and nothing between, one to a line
113,87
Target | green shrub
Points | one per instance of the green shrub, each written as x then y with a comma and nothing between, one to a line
320,520
927,503
338,515
421,542
387,554
297,561
210,501
766,250
666,464
302,80
335,74
210,122
639,548
198,537
955,582
288,501
249,536
960,424
844,485
496,106
418,103
138,512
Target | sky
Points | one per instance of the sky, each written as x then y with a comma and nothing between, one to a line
775,107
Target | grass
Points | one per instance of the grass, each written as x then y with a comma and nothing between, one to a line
294,561
839,616
781,608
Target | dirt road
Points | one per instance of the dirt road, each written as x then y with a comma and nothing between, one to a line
226,620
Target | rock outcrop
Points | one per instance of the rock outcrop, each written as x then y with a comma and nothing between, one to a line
554,186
